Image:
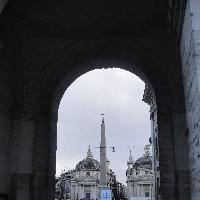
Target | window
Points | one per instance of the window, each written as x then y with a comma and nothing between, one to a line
87,173
146,194
87,195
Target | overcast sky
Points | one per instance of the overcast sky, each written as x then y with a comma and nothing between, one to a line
118,94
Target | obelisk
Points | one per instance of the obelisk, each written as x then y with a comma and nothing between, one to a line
103,168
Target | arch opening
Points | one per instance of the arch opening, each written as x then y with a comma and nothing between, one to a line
118,93
105,64
168,124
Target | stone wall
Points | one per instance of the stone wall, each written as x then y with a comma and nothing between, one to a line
190,53
2,4
4,136
6,102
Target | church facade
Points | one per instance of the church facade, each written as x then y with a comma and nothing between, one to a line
140,176
83,182
90,177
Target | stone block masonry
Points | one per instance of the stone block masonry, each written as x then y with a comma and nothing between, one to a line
190,53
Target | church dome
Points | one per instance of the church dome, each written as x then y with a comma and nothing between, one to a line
146,160
143,161
88,163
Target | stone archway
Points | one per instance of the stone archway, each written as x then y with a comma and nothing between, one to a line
171,114
39,51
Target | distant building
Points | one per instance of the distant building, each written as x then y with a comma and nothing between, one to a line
83,181
140,176
149,98
80,183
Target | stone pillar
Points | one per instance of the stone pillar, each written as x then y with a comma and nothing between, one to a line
154,151
79,191
135,189
20,160
138,190
83,192
182,173
190,56
5,128
166,156
142,189
44,159
162,128
150,188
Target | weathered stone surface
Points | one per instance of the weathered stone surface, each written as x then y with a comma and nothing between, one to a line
4,148
190,52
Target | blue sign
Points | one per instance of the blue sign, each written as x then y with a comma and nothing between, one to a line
106,194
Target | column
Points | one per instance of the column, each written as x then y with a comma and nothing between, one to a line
5,129
190,57
21,160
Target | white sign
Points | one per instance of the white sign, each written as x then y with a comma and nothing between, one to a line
106,195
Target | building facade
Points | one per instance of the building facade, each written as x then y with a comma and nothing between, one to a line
140,176
150,99
84,181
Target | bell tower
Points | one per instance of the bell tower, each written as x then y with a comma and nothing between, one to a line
129,175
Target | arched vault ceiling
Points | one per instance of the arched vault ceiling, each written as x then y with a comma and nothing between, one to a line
91,16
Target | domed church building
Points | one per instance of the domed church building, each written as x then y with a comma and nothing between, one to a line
140,176
85,183
82,182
